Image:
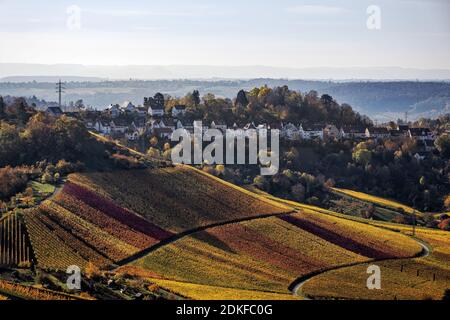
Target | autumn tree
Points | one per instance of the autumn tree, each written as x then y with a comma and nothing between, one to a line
2,108
362,156
154,141
10,145
443,145
447,202
445,225
92,270
298,192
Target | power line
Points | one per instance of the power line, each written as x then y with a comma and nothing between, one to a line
60,90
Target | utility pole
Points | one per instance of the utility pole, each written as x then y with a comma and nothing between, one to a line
406,117
60,90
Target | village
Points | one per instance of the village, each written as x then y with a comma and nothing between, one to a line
130,123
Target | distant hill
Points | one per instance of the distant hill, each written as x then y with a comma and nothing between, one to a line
158,72
381,100
18,79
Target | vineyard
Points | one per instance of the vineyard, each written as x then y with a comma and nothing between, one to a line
176,199
14,245
22,292
416,279
235,244
362,239
96,219
198,292
376,200
267,255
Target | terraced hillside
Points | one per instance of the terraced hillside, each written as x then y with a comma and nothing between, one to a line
104,218
267,255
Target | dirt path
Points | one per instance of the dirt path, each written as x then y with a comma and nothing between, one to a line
190,232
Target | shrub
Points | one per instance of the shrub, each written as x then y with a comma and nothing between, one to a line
445,225
153,288
12,181
47,178
63,167
446,296
92,271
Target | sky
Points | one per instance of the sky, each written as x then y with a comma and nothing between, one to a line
281,33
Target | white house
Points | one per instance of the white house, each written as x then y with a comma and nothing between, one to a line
420,134
142,111
165,133
169,123
118,127
102,127
127,106
377,133
311,132
156,111
353,133
290,132
54,111
114,110
332,132
178,110
132,135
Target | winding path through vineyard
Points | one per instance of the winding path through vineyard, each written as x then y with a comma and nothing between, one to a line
296,286
181,235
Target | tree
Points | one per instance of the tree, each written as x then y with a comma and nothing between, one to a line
20,110
79,104
241,98
159,99
47,178
196,97
153,153
443,145
298,192
2,108
154,141
445,225
362,156
326,99
446,296
447,202
10,145
92,270
423,181
260,182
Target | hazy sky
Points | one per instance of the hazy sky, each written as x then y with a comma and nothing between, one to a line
291,33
